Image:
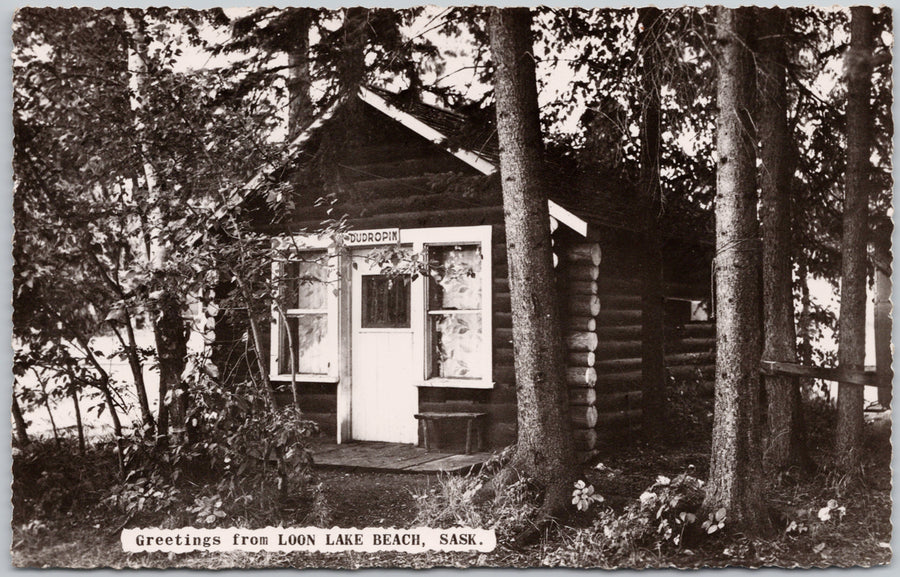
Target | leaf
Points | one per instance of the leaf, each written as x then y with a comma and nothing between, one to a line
720,515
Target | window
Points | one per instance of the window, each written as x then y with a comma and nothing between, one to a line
456,347
305,326
385,302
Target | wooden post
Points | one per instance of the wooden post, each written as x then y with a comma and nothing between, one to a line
883,326
344,430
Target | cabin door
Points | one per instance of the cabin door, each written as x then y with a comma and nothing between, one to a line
384,396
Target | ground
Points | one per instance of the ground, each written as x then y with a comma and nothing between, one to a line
89,537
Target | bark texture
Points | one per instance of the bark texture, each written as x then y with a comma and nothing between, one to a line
21,427
735,476
544,448
653,366
852,322
784,440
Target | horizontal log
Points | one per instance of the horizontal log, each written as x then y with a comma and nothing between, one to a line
581,341
619,380
617,284
503,319
705,329
583,305
503,337
618,350
701,358
620,317
841,375
504,374
622,302
581,272
585,439
502,302
501,284
581,377
692,345
581,253
582,457
577,287
504,356
618,333
581,359
432,164
618,365
699,372
583,417
618,418
582,396
418,219
579,323
621,401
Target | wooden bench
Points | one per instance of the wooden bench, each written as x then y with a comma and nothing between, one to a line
473,425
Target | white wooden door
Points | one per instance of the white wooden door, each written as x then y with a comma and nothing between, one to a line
384,396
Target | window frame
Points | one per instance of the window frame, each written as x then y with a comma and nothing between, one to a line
309,244
480,235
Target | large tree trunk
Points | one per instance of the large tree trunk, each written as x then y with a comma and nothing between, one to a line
653,367
544,449
169,328
883,322
21,426
785,445
735,475
852,322
299,81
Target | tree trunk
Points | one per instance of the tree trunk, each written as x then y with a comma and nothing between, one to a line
544,450
785,446
79,425
168,327
299,81
170,334
137,372
734,477
21,426
45,400
852,322
883,323
653,364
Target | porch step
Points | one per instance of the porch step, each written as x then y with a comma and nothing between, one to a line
394,457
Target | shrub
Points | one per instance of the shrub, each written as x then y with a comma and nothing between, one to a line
51,479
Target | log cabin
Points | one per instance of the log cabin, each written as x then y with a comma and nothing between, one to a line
370,351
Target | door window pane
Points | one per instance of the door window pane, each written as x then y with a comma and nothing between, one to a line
385,302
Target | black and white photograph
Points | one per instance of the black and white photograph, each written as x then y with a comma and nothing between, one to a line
451,286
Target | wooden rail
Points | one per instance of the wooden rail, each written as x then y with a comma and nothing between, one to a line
854,377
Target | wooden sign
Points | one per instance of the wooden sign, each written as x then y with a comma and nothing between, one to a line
371,237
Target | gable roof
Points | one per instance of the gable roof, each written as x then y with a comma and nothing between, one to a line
434,124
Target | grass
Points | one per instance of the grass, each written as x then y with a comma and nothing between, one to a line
61,518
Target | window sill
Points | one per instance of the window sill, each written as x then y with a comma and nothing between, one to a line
301,378
458,383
